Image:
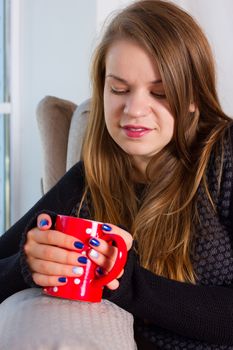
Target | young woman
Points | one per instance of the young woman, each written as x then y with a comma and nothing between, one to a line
156,161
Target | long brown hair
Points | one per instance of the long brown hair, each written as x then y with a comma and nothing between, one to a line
163,222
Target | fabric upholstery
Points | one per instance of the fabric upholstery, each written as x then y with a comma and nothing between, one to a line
61,125
53,118
76,133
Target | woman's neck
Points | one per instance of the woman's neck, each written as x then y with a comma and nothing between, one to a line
138,176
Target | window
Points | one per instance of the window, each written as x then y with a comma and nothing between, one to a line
4,119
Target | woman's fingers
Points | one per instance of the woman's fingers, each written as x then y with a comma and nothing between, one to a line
52,253
121,273
113,284
104,254
44,235
102,260
47,281
54,238
44,222
127,237
52,268
101,249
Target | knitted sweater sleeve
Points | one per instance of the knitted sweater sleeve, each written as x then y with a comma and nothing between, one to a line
60,200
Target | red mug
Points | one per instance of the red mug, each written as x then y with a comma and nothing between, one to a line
88,286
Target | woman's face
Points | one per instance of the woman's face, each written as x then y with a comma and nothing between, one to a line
136,110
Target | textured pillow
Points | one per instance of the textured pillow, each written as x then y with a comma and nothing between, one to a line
30,320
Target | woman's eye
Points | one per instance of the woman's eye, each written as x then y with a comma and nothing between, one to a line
158,95
118,91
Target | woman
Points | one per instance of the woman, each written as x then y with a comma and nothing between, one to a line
157,160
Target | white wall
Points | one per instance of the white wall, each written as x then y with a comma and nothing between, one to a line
57,37
215,17
104,8
56,40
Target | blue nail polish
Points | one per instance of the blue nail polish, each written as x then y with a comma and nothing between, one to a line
94,242
100,270
62,279
82,259
43,223
105,227
78,245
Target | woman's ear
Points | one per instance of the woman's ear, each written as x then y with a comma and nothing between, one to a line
192,107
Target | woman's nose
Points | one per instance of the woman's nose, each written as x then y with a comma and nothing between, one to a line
136,106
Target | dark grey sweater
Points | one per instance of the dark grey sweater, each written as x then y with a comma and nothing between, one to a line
180,315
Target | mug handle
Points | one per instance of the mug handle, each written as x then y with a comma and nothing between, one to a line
119,263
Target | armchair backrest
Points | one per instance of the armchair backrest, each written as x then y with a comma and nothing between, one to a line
61,125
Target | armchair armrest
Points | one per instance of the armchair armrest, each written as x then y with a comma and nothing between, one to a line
31,320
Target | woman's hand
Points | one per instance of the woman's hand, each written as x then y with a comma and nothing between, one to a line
104,254
52,255
49,254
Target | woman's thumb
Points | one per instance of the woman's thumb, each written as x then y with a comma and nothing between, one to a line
44,222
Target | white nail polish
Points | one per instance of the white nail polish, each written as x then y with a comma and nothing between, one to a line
78,270
94,254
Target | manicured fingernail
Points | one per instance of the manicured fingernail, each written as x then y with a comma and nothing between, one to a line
43,222
78,245
78,270
94,254
100,270
82,259
94,242
105,227
62,279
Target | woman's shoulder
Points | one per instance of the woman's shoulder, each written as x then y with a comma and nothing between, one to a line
221,157
228,134
76,170
74,178
228,142
224,142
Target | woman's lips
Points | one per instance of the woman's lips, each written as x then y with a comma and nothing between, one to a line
135,131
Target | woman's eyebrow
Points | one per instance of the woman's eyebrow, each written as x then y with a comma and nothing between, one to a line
117,78
158,81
